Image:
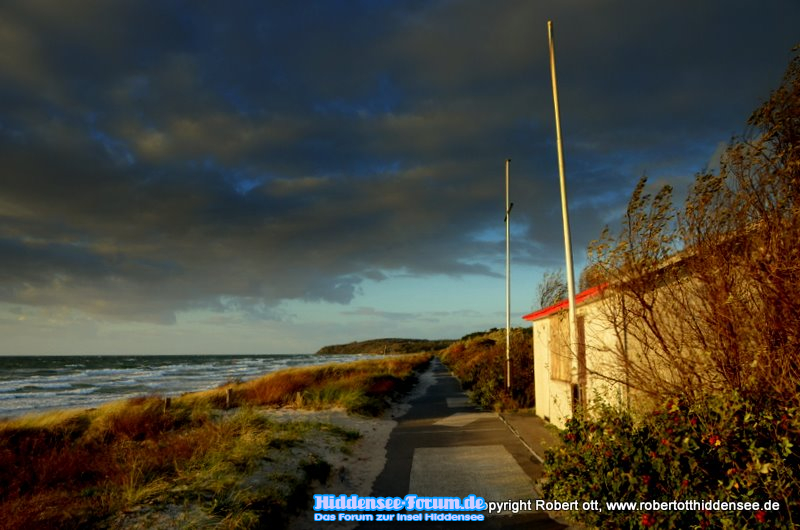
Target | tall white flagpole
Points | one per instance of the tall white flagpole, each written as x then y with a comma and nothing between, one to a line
573,320
508,285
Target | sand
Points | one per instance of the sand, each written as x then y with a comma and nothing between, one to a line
352,473
353,470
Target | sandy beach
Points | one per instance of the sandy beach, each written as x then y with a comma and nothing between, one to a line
354,472
354,466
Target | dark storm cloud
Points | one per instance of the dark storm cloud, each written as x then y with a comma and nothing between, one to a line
167,156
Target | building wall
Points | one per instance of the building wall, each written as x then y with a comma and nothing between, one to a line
604,376
605,373
553,397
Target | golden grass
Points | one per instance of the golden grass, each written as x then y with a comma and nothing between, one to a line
361,387
43,420
72,469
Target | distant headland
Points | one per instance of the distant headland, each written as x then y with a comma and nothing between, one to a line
385,347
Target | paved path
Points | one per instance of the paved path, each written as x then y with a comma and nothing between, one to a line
445,447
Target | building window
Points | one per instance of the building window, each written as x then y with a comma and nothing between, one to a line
560,358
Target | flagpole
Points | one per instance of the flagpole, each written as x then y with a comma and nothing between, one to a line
573,321
508,285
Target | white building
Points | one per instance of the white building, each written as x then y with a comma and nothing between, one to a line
564,379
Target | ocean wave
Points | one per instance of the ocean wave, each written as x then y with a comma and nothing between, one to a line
45,387
81,391
86,381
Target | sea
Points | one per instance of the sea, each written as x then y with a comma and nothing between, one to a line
37,384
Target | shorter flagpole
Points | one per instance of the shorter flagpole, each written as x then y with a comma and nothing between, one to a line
508,284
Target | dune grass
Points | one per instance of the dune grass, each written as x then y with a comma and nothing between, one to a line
360,387
224,468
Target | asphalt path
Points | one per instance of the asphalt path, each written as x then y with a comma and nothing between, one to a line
445,447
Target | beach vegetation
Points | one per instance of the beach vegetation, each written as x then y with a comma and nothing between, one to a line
360,387
479,361
197,460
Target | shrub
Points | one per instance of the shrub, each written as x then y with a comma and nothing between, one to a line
480,364
722,448
707,295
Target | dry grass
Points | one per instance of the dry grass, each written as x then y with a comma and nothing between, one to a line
73,469
362,387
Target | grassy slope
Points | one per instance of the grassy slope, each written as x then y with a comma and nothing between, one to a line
228,468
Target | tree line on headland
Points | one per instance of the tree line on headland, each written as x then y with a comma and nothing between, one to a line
384,347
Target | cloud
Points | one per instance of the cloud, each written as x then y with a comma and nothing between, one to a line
387,315
159,158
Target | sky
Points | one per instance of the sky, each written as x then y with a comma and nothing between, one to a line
197,177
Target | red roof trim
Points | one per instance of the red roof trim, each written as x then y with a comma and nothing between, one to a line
588,294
